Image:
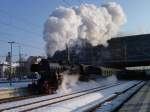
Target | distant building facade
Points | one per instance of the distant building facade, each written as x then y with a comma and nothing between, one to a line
3,68
19,69
135,47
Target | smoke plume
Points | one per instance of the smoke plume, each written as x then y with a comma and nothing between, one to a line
92,23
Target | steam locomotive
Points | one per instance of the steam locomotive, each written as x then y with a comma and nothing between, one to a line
51,77
50,72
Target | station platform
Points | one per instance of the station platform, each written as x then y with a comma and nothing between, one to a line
140,102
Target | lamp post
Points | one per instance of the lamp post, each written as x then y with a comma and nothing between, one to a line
11,43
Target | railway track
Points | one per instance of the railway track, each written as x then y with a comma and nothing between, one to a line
46,102
139,102
117,100
18,98
13,93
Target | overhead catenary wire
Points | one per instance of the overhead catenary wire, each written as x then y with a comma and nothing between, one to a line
19,28
80,2
10,24
19,18
22,44
19,43
6,55
66,2
27,30
28,45
8,35
23,20
69,3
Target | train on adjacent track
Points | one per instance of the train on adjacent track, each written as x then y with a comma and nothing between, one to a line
133,75
51,74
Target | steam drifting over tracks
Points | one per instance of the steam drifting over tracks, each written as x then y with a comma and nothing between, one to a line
35,105
78,104
112,103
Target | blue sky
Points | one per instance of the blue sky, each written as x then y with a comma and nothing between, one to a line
22,21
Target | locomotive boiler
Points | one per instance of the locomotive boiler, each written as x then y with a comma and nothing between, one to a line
51,71
51,77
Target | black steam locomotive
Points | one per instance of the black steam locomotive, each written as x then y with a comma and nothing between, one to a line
51,77
48,81
51,74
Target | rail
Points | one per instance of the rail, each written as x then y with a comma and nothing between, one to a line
46,102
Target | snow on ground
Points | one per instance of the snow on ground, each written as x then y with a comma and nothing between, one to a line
71,84
14,85
79,86
73,104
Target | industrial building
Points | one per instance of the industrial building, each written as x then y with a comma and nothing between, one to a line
134,47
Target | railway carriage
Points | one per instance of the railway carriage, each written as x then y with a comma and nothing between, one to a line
51,77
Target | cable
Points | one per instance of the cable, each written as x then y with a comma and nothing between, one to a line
20,43
28,45
80,2
19,18
23,44
6,55
8,35
66,2
3,41
19,28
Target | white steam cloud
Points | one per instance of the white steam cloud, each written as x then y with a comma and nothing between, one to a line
68,82
71,83
89,22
